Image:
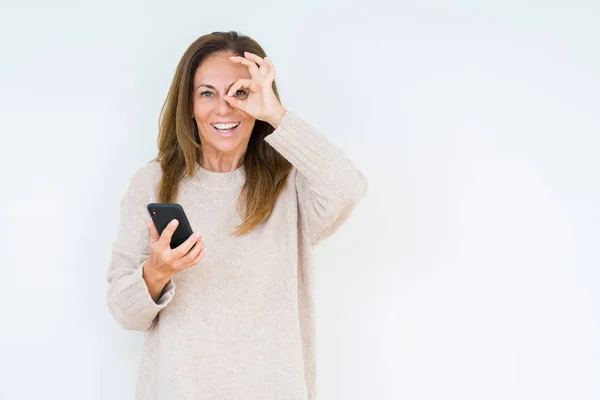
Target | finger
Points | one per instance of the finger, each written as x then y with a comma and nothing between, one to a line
153,232
193,253
235,103
255,58
272,70
188,264
167,233
241,84
237,85
199,257
184,247
254,72
265,67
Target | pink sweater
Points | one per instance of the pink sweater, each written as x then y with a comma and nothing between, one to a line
241,323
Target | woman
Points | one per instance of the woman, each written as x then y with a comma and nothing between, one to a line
230,314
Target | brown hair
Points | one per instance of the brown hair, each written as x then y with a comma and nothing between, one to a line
180,149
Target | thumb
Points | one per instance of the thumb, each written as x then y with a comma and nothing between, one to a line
234,102
154,233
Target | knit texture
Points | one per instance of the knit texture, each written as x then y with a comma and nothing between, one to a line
241,323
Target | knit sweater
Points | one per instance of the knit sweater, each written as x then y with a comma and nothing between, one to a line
241,323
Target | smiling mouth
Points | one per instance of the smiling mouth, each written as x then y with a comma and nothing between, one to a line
226,132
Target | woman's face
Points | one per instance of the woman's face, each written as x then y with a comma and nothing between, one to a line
212,80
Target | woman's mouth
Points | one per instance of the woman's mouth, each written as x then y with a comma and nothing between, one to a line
226,130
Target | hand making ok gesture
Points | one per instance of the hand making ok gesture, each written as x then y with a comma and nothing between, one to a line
261,103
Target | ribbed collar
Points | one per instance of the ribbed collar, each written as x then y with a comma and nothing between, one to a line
219,180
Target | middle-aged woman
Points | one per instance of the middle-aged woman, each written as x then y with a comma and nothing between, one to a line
229,314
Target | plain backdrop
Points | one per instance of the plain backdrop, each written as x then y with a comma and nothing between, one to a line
469,271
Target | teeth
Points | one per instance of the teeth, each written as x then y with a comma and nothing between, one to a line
226,126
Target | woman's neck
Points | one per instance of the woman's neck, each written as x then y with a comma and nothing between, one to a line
221,164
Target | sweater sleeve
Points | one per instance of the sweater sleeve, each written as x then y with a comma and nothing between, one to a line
328,185
128,297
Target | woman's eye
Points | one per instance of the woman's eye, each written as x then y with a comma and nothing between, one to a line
209,94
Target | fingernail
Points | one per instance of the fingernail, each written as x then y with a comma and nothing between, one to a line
197,234
174,222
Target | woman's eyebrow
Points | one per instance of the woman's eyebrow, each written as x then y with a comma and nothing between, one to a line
211,86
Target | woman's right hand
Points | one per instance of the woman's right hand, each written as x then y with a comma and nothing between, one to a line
165,262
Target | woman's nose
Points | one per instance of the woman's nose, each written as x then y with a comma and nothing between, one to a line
224,106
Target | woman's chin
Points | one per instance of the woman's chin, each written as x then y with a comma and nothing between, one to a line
226,145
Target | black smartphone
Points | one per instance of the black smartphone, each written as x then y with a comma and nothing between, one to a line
163,213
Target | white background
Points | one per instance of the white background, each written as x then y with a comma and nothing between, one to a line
470,269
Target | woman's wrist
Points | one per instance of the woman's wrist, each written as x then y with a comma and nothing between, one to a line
154,281
151,274
277,117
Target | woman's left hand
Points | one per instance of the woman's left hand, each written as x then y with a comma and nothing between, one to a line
261,102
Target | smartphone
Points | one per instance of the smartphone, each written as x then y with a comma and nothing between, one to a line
163,213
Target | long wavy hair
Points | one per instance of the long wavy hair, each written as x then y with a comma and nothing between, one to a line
180,149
